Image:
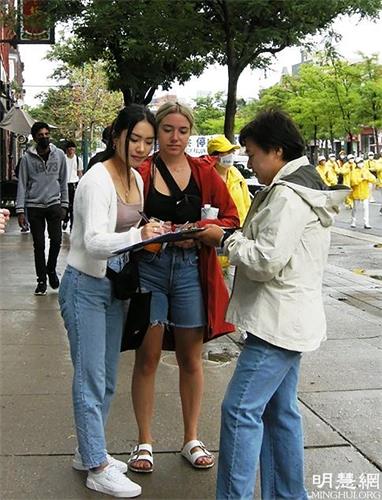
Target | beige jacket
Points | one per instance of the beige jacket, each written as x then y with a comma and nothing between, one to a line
280,257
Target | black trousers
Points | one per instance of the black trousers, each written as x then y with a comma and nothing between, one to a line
72,186
38,219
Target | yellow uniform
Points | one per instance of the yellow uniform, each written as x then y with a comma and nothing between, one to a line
360,178
238,189
331,166
327,174
378,172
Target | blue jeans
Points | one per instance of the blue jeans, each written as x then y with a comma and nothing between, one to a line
93,319
173,278
261,419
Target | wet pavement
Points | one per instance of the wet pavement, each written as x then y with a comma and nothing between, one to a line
340,388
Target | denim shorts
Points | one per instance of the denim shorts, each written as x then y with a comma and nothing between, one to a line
173,278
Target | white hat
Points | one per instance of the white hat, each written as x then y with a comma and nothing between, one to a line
370,153
350,157
321,157
359,159
332,155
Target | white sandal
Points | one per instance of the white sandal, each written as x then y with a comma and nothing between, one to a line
137,454
192,456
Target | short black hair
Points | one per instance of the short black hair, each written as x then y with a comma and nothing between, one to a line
273,129
70,144
38,126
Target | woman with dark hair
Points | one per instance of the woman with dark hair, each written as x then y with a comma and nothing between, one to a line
106,218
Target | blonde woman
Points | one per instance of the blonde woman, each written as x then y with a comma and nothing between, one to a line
180,278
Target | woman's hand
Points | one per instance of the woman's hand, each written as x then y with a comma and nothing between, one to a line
184,243
4,218
152,229
211,236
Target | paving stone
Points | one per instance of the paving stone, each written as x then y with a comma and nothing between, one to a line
43,327
354,414
341,365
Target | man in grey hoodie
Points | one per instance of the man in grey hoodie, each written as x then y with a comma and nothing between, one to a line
43,190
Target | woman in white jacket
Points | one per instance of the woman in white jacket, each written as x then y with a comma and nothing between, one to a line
106,218
280,257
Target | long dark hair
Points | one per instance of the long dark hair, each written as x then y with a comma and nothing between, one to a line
126,119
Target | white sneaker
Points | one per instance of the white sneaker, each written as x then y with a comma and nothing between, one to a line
353,225
112,482
78,465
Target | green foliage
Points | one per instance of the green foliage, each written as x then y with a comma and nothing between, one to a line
330,100
245,33
151,43
83,107
209,114
144,44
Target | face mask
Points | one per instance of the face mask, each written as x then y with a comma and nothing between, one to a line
43,142
226,161
342,157
360,164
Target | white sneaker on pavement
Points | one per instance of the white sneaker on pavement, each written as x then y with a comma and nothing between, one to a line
112,482
78,465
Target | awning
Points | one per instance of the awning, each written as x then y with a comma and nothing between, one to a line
17,121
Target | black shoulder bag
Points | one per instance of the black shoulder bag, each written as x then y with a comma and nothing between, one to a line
125,282
137,320
182,200
126,285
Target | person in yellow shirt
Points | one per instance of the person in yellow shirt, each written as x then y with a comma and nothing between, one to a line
331,166
378,174
371,164
326,173
345,171
360,179
221,147
339,164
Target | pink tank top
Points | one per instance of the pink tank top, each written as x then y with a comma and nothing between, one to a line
127,215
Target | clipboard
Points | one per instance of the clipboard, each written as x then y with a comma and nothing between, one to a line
163,238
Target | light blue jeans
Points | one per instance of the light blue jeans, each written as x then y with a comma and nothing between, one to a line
261,419
93,319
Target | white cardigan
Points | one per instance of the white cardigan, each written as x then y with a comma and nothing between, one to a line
93,239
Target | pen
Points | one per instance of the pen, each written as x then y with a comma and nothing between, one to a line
144,216
182,226
149,219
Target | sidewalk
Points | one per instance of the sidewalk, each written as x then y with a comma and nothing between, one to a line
340,391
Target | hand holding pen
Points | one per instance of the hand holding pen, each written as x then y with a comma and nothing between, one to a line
159,226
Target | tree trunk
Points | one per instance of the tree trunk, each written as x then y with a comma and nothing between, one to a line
376,140
230,110
349,143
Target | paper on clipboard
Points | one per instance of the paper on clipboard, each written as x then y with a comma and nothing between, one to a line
163,238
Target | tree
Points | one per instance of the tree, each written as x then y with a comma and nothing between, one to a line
330,98
371,94
209,114
344,84
82,107
144,44
243,33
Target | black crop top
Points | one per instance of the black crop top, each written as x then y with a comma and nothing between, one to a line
164,207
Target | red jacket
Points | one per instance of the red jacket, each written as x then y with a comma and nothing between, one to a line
214,192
